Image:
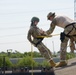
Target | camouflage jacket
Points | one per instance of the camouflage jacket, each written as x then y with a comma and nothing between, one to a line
33,33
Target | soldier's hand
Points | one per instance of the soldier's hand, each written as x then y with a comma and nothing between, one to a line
42,31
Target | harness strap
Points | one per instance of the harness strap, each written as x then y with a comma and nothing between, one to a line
72,24
39,41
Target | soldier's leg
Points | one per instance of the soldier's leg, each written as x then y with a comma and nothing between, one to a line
63,53
68,31
50,53
74,42
46,53
63,49
72,45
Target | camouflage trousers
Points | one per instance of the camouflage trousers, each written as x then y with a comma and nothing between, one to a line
45,52
72,45
71,31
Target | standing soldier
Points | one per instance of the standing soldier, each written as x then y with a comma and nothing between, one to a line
69,27
34,31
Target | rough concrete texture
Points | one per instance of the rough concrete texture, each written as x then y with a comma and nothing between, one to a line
70,69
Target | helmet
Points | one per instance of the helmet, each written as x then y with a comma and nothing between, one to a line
50,14
35,19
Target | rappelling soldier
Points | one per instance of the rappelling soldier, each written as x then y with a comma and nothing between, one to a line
34,32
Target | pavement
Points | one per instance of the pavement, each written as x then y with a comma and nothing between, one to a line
70,69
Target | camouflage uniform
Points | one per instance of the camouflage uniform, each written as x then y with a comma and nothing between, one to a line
69,31
35,31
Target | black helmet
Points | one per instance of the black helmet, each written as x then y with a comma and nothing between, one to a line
35,19
50,14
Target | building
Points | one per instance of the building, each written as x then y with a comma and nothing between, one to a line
75,10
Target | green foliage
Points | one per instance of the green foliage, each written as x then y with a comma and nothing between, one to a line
17,54
70,55
27,61
1,61
8,63
35,54
45,64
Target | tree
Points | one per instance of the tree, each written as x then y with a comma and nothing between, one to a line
8,63
1,61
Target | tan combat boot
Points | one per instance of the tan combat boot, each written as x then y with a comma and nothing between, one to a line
52,63
61,64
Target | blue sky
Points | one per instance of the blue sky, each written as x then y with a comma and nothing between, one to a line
15,16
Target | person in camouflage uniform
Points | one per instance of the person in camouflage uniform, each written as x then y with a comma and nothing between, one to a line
34,31
69,27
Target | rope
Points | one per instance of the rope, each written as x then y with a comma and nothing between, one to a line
47,36
32,57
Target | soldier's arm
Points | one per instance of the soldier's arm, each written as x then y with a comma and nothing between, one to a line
43,33
29,36
51,29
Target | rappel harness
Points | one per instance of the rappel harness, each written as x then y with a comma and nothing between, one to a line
39,41
72,24
62,35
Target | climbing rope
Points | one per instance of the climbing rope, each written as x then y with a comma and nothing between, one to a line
32,57
47,36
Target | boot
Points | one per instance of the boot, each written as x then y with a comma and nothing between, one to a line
61,64
53,64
